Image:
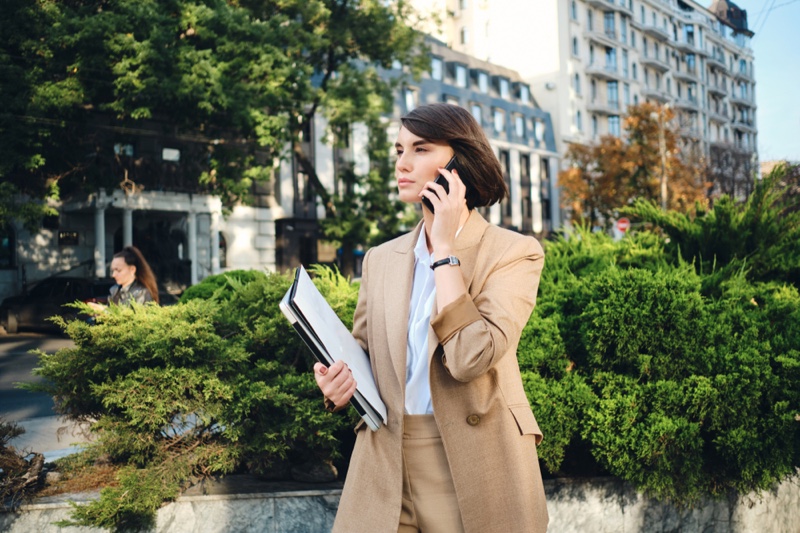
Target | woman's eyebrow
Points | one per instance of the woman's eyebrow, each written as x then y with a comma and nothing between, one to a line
415,143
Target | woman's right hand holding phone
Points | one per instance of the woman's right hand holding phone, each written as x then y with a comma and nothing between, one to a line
336,382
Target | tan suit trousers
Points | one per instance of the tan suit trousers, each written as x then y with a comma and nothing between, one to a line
429,497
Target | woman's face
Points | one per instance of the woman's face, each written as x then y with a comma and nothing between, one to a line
418,162
122,272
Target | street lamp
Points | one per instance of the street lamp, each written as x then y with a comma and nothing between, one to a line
663,149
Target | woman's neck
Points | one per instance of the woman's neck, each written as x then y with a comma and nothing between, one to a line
427,216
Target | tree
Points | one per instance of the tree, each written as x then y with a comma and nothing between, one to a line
232,83
610,174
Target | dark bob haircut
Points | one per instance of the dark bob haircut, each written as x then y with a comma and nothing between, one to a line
476,161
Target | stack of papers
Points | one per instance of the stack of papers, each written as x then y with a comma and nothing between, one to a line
331,341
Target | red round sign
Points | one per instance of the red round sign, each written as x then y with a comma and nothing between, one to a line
623,224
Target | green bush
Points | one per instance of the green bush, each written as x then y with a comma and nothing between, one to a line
221,285
209,386
629,361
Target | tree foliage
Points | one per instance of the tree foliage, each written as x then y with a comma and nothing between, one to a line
232,84
612,173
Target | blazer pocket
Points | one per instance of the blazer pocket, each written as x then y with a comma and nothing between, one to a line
526,422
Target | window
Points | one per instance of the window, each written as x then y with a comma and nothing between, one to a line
608,24
641,12
519,126
524,94
633,38
591,55
644,46
573,10
7,247
612,91
575,50
691,63
623,30
611,58
656,51
464,35
579,121
577,83
625,63
669,86
436,68
594,125
594,90
613,125
462,4
626,94
452,100
635,77
635,99
538,130
483,82
173,155
461,76
477,112
410,99
502,86
499,120
589,20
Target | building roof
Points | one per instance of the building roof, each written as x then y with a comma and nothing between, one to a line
731,15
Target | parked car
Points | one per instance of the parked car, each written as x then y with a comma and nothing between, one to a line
47,299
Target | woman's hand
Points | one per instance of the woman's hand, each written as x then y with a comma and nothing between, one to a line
336,382
97,307
449,211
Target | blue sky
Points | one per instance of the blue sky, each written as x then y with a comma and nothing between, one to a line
776,46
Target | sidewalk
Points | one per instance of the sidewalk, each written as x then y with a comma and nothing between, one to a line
51,436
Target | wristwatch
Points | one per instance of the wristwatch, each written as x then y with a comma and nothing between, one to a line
449,260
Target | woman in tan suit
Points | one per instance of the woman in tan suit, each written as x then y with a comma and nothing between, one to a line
440,313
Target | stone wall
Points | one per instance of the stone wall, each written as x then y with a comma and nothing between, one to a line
602,505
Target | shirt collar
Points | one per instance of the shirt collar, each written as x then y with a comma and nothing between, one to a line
421,248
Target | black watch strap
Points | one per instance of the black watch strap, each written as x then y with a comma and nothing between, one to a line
449,260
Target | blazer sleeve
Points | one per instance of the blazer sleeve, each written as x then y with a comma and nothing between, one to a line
360,315
477,332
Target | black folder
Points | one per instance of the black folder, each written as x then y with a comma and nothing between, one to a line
330,341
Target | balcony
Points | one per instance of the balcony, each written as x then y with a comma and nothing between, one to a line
607,72
718,116
655,94
605,5
604,38
742,101
689,104
689,75
718,90
738,74
689,47
691,132
603,107
655,63
656,32
746,125
717,63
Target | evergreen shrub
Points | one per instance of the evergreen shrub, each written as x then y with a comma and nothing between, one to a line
631,364
208,386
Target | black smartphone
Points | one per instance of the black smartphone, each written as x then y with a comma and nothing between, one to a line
441,180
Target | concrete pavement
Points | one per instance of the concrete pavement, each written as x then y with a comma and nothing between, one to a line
45,431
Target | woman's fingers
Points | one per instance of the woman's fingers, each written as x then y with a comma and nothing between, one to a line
336,382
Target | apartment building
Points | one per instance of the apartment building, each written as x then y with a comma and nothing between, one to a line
587,60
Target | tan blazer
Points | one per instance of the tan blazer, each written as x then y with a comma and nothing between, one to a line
488,430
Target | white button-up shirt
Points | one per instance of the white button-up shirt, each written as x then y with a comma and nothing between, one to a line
423,295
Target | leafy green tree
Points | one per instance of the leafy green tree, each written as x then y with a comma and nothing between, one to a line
232,83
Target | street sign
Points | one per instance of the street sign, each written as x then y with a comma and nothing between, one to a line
623,224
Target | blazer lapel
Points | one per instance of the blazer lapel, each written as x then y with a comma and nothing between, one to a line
397,284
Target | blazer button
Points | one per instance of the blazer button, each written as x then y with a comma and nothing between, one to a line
473,420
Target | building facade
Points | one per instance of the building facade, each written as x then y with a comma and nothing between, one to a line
587,60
